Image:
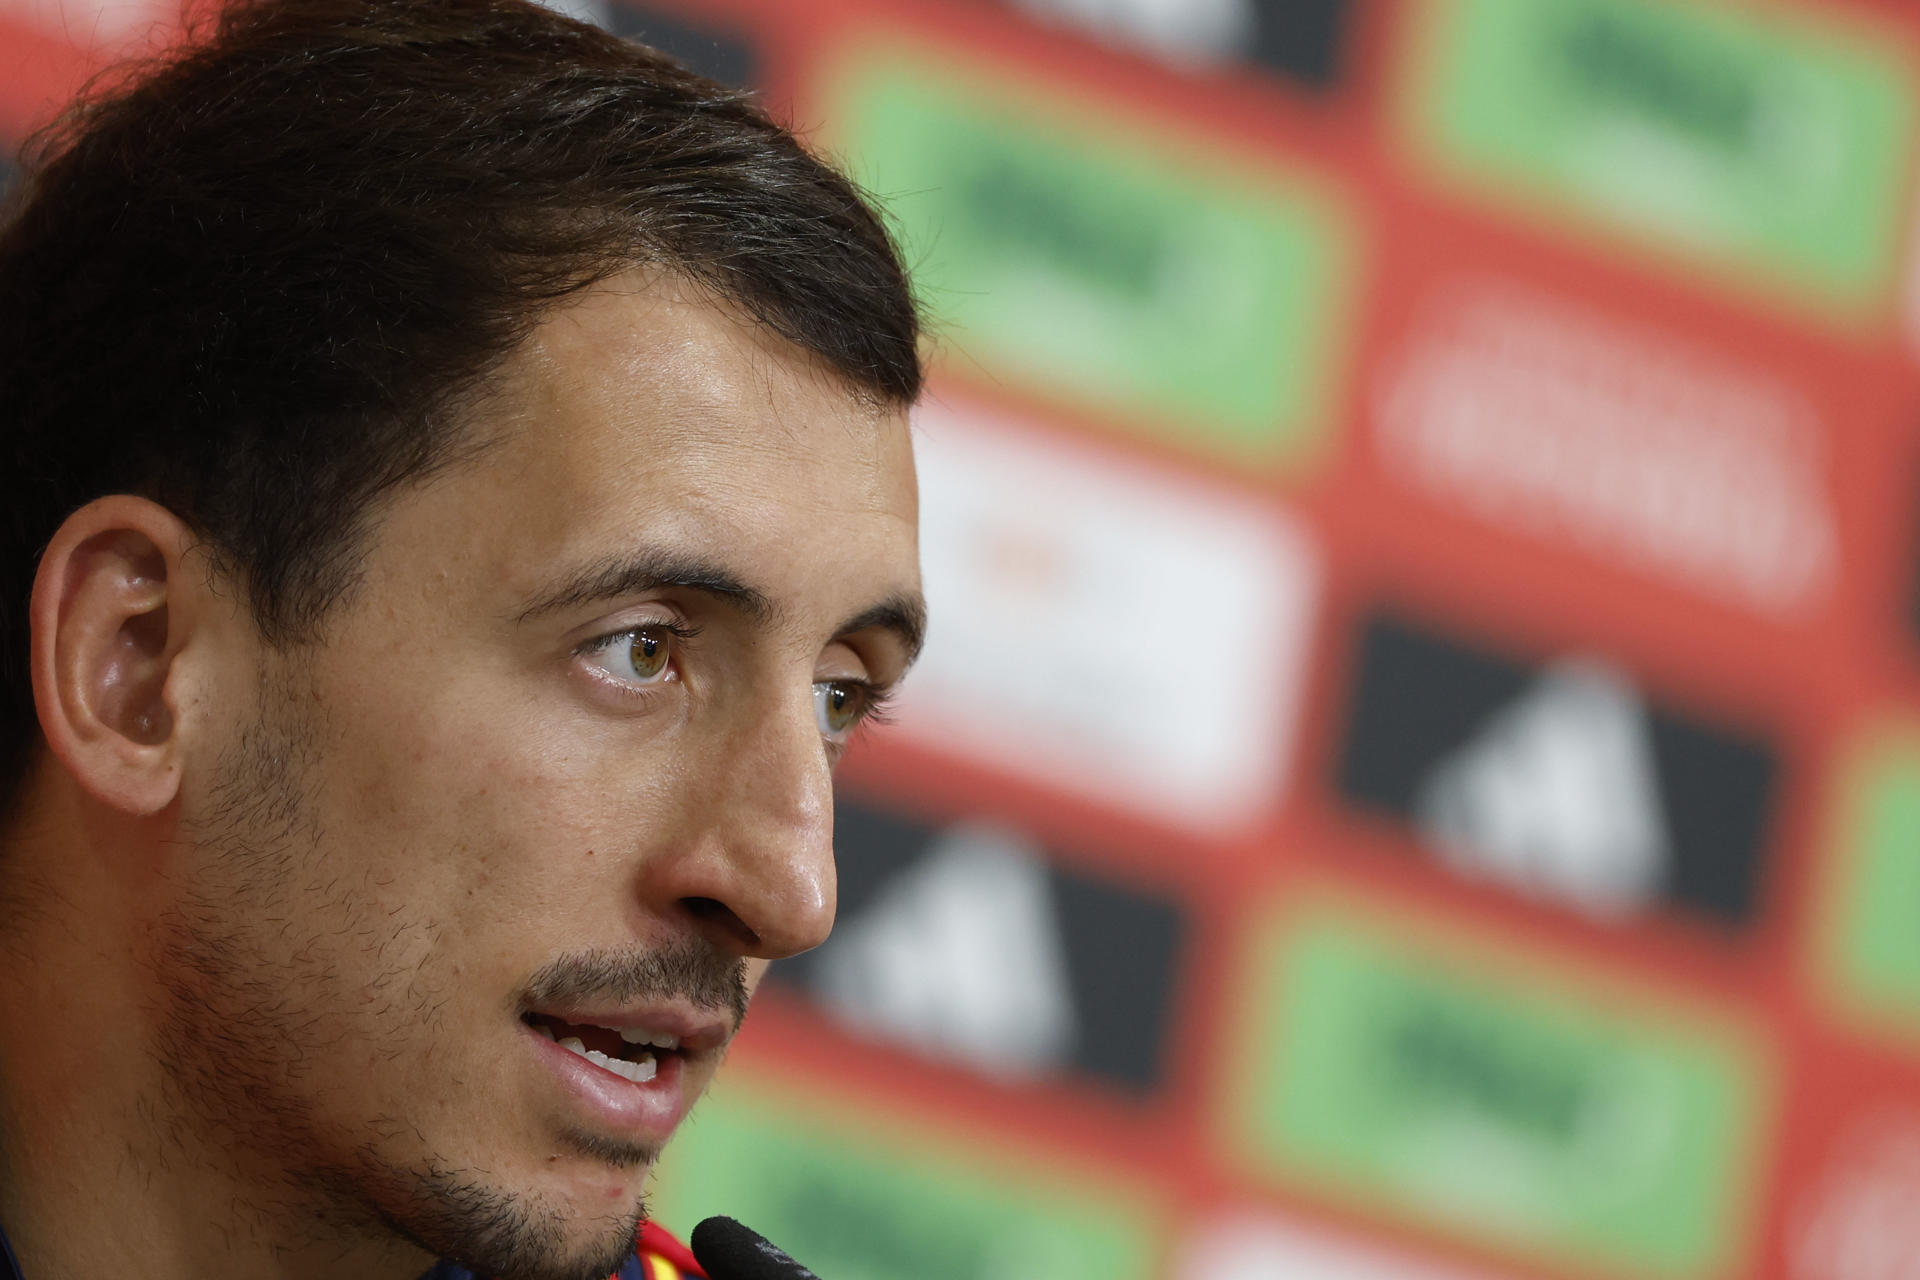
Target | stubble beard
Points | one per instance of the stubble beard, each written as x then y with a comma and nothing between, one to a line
249,1010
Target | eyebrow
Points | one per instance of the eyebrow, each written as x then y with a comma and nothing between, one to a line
650,571
904,614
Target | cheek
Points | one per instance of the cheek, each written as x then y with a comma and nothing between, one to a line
435,793
504,821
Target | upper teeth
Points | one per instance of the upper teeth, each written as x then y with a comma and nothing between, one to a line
658,1039
638,1072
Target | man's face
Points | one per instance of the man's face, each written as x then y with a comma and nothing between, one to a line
559,767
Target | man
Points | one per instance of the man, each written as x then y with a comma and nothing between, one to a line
458,503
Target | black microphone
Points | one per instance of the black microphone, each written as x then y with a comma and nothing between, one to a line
729,1251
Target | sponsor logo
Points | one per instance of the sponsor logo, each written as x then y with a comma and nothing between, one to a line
1868,955
1058,657
1265,1248
1554,423
863,1197
1183,32
1428,1076
1166,283
1861,1219
1743,139
1303,41
719,54
965,944
1558,781
1298,40
1556,791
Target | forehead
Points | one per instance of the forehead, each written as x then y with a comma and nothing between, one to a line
646,417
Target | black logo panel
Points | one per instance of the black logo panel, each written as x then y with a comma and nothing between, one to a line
722,54
1301,40
966,943
1557,780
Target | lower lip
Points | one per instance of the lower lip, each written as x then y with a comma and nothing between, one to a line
646,1112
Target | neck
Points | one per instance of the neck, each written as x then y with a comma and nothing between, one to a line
105,1166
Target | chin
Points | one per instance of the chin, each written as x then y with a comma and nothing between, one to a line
572,1216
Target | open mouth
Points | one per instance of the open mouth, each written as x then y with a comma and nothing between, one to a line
632,1053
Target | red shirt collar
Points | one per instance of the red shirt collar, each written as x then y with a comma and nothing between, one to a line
655,1238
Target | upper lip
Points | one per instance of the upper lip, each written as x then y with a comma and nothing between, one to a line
697,1031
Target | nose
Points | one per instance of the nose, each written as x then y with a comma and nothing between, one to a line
754,870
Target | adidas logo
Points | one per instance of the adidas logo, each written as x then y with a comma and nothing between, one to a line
1562,782
971,945
958,957
1557,796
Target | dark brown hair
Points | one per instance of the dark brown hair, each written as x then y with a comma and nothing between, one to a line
253,280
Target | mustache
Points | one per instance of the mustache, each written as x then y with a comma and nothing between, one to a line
691,970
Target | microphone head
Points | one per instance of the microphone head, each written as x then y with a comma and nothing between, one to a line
729,1251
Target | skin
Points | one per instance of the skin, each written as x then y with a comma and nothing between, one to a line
279,913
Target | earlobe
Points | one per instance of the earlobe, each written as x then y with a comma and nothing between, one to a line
108,625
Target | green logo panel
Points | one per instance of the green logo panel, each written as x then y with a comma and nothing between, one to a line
1431,1078
857,1199
1167,284
1770,147
1870,941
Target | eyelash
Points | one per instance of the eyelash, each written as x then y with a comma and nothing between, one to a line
878,700
681,632
879,708
678,630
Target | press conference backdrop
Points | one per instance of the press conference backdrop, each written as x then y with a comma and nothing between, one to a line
1417,771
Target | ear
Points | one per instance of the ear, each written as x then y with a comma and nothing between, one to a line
109,617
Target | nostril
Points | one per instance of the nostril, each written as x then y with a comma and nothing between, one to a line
715,912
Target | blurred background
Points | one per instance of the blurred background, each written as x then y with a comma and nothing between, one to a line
1417,771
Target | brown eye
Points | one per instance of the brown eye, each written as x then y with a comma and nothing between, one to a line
652,653
837,705
648,650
